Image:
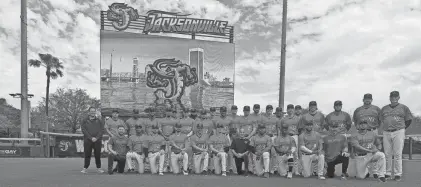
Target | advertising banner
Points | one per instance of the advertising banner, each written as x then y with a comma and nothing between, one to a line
12,151
72,146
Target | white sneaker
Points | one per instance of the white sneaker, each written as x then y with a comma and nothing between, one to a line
160,173
99,170
322,178
289,176
185,173
84,170
224,173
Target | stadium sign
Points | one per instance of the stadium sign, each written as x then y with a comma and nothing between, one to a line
73,146
156,21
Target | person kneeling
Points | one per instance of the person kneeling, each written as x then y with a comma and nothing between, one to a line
157,148
178,143
117,146
262,143
310,145
285,148
239,148
200,150
137,150
219,145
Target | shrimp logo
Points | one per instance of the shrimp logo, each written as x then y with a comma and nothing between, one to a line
121,15
64,145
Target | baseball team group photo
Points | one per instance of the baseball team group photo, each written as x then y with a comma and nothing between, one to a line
209,93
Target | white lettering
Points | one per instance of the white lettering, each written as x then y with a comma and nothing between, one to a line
79,146
104,146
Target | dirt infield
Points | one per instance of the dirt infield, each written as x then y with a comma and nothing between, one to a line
65,172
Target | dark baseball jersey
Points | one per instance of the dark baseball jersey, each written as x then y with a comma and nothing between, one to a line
186,125
310,140
131,124
261,142
370,114
366,140
342,119
283,144
270,122
333,146
226,122
167,126
112,125
247,123
292,122
199,141
148,123
219,141
394,118
119,144
235,122
137,143
318,120
155,142
178,140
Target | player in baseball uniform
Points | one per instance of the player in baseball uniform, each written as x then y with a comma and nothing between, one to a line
233,131
151,121
112,123
219,145
262,145
187,124
166,129
117,147
157,146
292,121
310,145
270,121
285,147
298,110
339,117
208,126
212,113
200,148
226,122
137,146
366,149
133,121
178,145
335,149
395,118
279,113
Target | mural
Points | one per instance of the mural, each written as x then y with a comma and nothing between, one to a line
121,11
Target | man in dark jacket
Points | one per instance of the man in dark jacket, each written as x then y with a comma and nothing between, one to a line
92,129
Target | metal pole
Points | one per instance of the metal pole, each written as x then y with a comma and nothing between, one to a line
283,54
410,148
24,111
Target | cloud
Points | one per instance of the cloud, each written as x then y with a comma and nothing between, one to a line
336,50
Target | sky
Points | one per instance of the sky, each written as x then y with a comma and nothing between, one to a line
218,56
336,49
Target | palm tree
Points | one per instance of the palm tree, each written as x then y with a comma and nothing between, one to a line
53,68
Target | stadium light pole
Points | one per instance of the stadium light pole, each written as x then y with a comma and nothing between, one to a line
24,110
283,55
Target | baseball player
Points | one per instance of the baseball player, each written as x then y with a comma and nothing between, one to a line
368,113
187,124
249,126
200,149
335,149
315,117
270,121
279,113
233,129
285,147
179,144
151,121
262,145
226,122
212,113
167,124
157,146
208,126
292,121
339,117
256,118
112,123
395,118
366,146
117,147
137,149
133,121
298,110
219,145
310,145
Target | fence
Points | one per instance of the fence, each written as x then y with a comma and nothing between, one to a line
71,145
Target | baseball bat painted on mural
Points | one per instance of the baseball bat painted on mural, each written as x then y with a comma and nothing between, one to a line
140,71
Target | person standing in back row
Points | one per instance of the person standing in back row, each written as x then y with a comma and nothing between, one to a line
395,117
92,129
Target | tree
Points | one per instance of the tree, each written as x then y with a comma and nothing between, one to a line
53,68
68,107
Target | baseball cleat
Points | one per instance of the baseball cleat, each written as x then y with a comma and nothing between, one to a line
266,175
376,176
321,177
398,178
224,173
185,173
85,171
99,170
382,179
161,173
289,175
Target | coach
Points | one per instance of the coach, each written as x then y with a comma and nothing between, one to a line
92,129
395,118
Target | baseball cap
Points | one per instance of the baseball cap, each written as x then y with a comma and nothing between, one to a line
178,125
309,123
219,126
212,109
138,126
115,111
261,126
223,109
337,103
335,125
363,122
234,107
298,107
193,110
312,103
155,127
135,111
278,109
246,108
168,110
199,125
256,106
284,126
269,107
394,94
203,112
290,106
368,96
